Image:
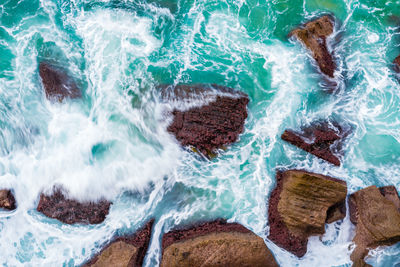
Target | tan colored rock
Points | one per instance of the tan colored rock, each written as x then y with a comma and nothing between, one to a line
377,220
213,245
7,200
300,205
124,251
313,35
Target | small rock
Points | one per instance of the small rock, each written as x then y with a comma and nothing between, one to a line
57,84
215,244
375,212
58,206
396,63
313,35
212,126
300,205
124,251
320,139
7,200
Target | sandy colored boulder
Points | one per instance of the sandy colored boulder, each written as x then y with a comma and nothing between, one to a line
124,251
215,244
7,200
313,35
300,205
377,218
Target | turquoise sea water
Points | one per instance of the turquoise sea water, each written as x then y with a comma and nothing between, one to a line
113,143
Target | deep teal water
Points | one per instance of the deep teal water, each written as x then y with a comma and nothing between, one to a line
113,142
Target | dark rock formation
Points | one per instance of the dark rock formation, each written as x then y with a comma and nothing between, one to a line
320,139
7,200
215,244
57,84
313,35
124,251
213,125
396,63
58,206
375,212
300,205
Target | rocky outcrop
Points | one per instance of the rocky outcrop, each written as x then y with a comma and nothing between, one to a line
7,200
313,35
215,244
375,212
320,139
126,251
396,63
57,84
213,125
58,206
300,205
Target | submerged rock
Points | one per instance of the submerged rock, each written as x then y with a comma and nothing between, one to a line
300,205
57,84
213,125
58,206
126,251
396,63
7,200
313,35
215,244
320,139
376,214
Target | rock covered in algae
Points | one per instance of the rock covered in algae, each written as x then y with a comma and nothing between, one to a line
375,212
215,244
127,251
313,35
300,205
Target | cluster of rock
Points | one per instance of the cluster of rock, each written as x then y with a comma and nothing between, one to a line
299,206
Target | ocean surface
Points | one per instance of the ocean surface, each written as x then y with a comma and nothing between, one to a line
113,142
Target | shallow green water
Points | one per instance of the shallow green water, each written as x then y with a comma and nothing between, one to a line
113,142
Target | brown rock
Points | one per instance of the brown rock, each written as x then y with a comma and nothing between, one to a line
211,126
313,35
58,206
57,84
320,139
124,251
7,200
300,205
396,63
215,244
377,218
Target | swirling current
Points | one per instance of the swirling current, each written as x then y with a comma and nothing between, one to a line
113,143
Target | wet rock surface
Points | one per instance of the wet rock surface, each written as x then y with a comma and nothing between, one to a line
396,63
215,244
320,139
126,251
375,212
213,125
300,205
7,200
313,35
57,84
58,206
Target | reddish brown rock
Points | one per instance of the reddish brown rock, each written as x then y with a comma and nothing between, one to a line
320,139
7,200
396,63
58,206
375,212
300,205
213,125
215,244
313,35
57,84
126,251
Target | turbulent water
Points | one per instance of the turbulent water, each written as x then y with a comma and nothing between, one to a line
113,142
